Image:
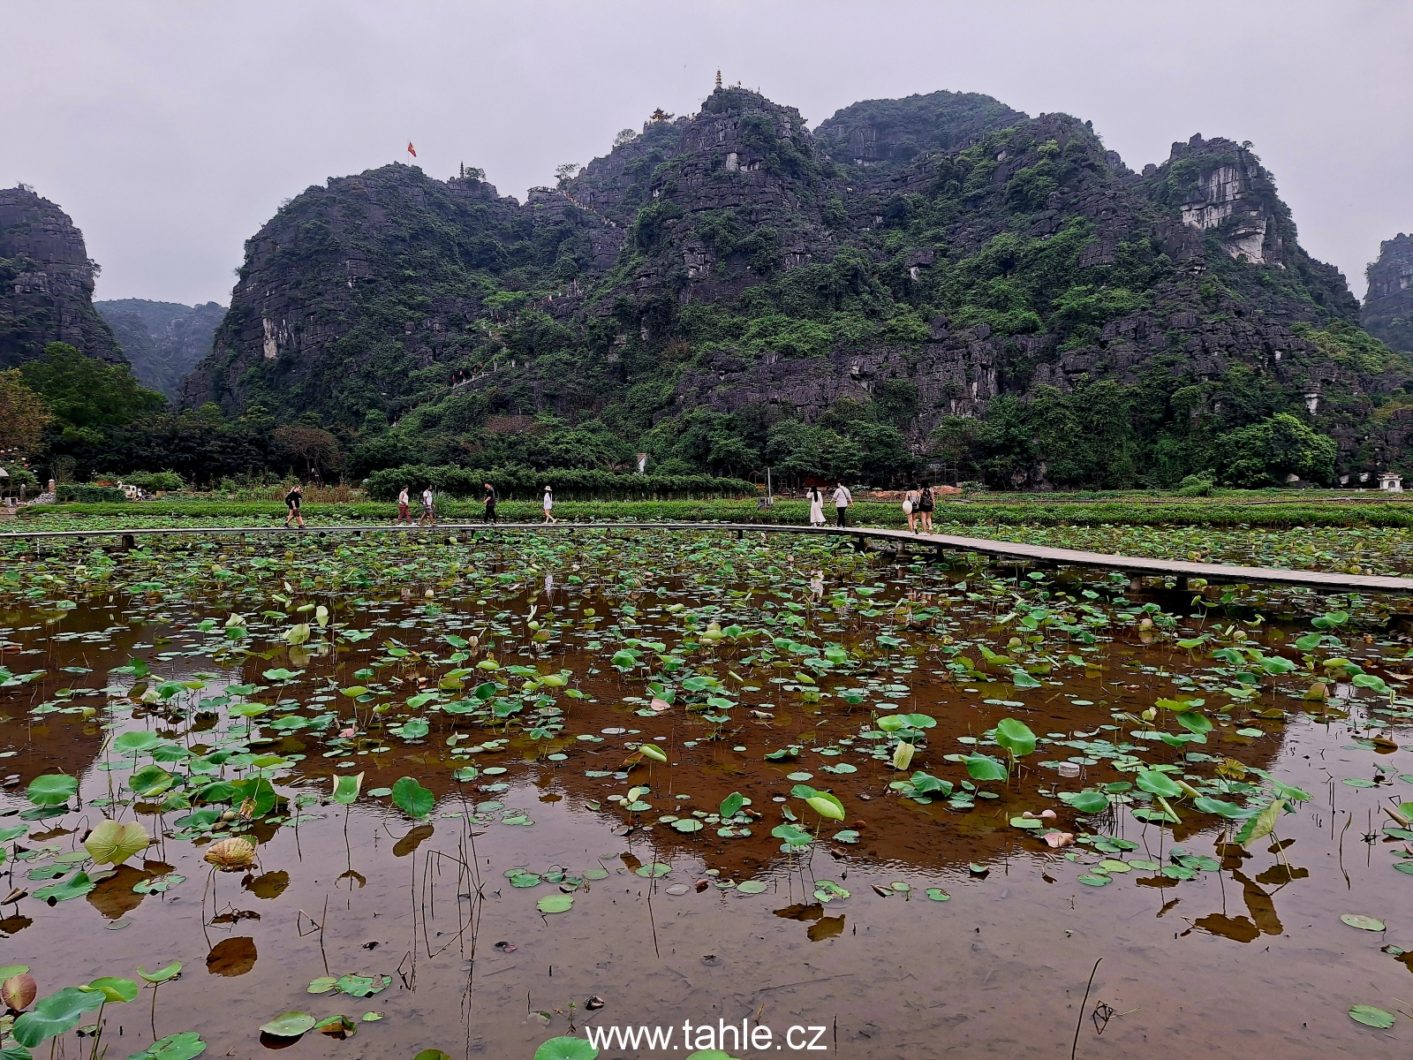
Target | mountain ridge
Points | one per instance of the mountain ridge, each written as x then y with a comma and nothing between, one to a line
722,276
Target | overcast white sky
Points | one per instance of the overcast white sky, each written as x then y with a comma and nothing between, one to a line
171,131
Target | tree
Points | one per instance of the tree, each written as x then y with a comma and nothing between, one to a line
94,404
23,416
1085,438
1267,452
314,448
625,136
953,444
564,172
1006,448
84,392
886,458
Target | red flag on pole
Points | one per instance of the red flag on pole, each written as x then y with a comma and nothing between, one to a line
411,150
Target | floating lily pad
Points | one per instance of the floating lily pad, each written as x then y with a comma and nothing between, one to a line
1363,923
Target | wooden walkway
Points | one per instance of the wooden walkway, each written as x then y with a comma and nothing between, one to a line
1041,555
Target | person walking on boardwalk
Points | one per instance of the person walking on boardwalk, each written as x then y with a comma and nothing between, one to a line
489,500
404,514
293,499
925,503
816,500
548,505
429,508
910,508
842,499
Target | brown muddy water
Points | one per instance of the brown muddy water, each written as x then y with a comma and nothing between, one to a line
961,934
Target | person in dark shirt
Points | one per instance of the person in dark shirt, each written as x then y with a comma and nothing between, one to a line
489,500
292,502
925,504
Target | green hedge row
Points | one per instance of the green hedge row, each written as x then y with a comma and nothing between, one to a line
525,483
78,493
865,513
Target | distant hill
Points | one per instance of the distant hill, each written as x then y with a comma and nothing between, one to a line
46,282
162,340
937,279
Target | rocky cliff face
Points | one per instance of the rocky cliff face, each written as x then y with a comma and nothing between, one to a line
1388,307
46,282
942,251
163,341
353,289
1223,192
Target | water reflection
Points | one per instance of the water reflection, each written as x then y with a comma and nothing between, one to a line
400,891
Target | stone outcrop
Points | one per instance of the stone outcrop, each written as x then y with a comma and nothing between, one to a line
1388,307
163,341
46,282
1223,192
1230,197
742,194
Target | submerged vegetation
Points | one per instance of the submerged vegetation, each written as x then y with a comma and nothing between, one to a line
394,762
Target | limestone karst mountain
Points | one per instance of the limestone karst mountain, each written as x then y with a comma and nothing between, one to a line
904,279
46,282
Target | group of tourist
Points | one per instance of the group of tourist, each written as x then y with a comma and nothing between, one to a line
842,499
489,498
918,505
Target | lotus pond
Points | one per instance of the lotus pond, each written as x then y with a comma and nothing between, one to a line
369,797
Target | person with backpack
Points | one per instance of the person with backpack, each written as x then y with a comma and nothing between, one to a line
293,499
925,503
489,500
842,499
910,508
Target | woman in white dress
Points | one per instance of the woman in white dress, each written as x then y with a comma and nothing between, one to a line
549,506
816,506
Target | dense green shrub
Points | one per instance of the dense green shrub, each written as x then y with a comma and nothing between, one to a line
152,481
1196,486
70,491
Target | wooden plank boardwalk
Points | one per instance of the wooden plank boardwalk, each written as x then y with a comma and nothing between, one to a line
1039,554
